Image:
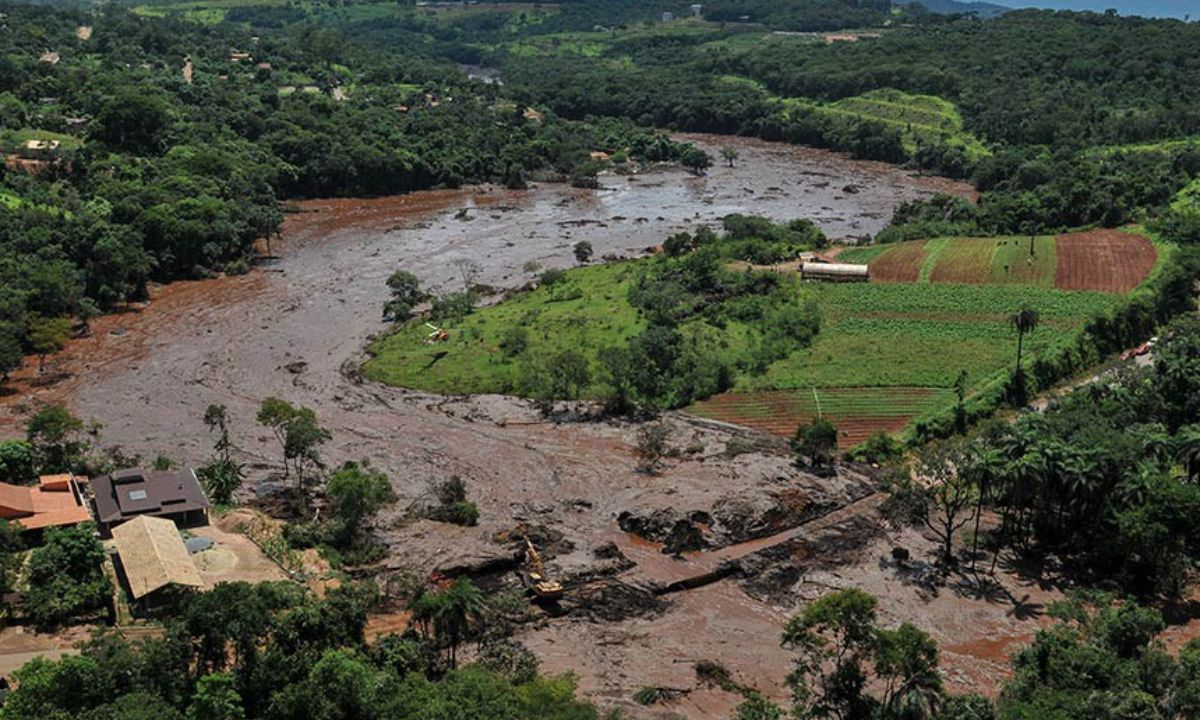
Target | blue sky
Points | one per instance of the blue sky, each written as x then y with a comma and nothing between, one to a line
1155,8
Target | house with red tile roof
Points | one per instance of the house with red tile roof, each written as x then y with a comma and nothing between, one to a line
55,501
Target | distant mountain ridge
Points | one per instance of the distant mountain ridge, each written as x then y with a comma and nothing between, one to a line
947,7
1145,8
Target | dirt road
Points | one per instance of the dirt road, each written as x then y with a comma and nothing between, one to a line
291,329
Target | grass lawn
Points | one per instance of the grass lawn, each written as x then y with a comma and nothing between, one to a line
17,138
471,361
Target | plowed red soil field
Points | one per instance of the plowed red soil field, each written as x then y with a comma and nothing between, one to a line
1103,260
899,264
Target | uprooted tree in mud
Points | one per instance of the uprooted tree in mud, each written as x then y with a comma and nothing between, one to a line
652,446
298,433
449,504
222,475
941,493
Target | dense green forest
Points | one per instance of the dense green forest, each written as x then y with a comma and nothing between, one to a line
154,174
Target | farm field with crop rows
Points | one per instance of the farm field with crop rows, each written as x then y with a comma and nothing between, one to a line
1101,260
897,349
934,309
855,411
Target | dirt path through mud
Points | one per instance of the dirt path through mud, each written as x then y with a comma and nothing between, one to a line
290,330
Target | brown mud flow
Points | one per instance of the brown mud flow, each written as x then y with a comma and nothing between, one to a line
294,328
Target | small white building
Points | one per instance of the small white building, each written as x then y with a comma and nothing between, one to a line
697,10
834,272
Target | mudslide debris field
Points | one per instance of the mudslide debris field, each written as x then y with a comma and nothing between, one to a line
295,328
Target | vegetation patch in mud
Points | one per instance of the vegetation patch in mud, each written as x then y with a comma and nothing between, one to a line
741,343
663,331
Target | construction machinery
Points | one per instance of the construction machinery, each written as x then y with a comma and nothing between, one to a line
534,576
437,336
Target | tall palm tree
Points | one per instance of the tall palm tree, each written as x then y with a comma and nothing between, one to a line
424,609
1023,321
459,606
1187,450
1157,444
985,466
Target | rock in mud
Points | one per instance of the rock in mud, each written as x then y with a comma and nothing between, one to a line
608,551
613,601
772,574
679,533
683,537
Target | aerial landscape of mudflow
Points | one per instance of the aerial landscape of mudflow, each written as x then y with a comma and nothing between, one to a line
599,359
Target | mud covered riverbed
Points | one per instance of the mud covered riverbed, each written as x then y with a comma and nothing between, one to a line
295,329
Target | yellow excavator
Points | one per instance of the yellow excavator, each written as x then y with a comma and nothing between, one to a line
535,578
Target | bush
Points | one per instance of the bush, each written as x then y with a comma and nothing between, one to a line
652,445
304,535
464,513
453,306
651,695
514,341
237,267
552,277
16,462
816,441
511,660
880,448
453,506
66,576
397,311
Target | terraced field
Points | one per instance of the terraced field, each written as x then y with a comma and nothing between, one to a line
1018,261
857,412
901,264
920,118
